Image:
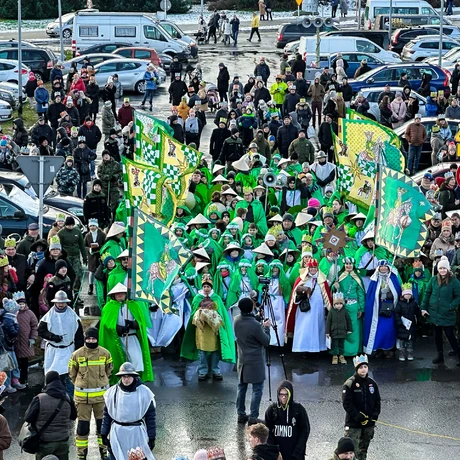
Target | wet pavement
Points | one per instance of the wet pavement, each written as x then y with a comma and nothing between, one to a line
193,415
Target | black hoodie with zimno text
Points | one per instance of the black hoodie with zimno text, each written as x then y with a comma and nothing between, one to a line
289,426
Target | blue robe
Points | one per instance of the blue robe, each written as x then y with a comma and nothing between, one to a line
379,331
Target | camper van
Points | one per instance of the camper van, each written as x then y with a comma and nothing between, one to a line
330,45
401,21
137,29
376,7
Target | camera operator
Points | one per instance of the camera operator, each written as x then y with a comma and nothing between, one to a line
252,338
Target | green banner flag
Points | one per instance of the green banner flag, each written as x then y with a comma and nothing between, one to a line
158,256
401,214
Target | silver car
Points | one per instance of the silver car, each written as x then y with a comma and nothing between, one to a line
372,96
130,73
94,59
6,112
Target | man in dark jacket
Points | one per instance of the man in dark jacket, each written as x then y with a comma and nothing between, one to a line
110,174
285,135
91,132
262,70
221,113
83,156
177,128
222,82
361,401
232,149
28,240
55,439
95,205
18,261
54,111
325,136
288,423
252,338
299,65
176,90
301,85
258,436
175,69
218,137
125,113
291,100
41,129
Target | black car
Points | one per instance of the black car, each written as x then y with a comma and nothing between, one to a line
401,37
70,204
39,60
292,32
105,48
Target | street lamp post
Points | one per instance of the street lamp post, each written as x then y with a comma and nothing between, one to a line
390,20
20,57
61,38
440,34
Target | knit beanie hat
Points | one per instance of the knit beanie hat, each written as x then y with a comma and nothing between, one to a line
69,221
444,263
313,203
92,332
51,376
201,455
345,445
59,264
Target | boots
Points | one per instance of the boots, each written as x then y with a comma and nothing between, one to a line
342,360
91,289
402,354
16,384
439,358
410,356
335,359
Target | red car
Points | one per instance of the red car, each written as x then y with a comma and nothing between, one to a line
134,52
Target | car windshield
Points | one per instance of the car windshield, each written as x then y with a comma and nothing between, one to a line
451,53
65,17
18,197
367,75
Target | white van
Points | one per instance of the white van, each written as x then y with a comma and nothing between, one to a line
53,30
138,29
376,7
333,44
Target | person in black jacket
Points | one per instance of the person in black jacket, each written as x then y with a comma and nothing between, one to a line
54,111
299,65
218,137
177,128
177,89
347,91
175,69
95,205
223,80
232,149
91,132
325,136
41,129
288,423
18,261
261,93
258,436
20,136
285,135
361,401
92,91
83,157
291,100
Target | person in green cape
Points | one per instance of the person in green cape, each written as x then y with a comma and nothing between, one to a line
234,229
223,279
200,192
355,227
183,215
198,230
115,242
120,273
339,209
329,222
330,265
244,175
247,244
122,331
243,281
419,280
301,223
208,336
279,291
290,229
368,256
232,255
352,287
226,239
288,258
255,209
102,276
180,230
213,210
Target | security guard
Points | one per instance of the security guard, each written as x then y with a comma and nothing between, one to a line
89,369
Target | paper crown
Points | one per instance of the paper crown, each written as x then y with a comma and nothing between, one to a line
10,243
206,279
327,212
60,218
55,242
18,296
3,261
276,230
348,260
306,238
9,304
358,360
312,263
338,298
406,288
247,190
446,223
93,222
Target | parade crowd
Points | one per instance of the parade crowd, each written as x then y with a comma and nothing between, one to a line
255,218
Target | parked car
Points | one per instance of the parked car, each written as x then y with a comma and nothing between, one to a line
140,52
130,73
372,96
104,48
8,96
12,43
95,58
70,204
6,111
293,31
176,32
391,73
38,60
428,122
9,70
14,88
18,210
448,61
436,171
53,30
400,37
354,60
423,47
291,48
166,61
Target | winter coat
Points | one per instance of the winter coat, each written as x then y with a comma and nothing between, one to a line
109,172
54,113
177,90
411,311
361,70
19,262
78,85
262,70
183,109
94,256
284,137
125,115
42,98
223,79
290,102
360,396
38,131
453,112
108,119
5,435
317,92
218,137
151,79
265,452
46,266
261,94
325,134
30,87
304,148
92,135
263,147
74,115
289,427
92,91
398,109
347,92
415,134
178,132
446,198
118,89
20,136
441,302
83,158
338,323
67,180
27,330
232,150
113,146
301,87
278,91
251,339
425,86
299,65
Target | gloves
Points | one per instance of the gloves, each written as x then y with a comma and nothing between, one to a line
360,417
31,342
365,418
56,338
151,444
105,440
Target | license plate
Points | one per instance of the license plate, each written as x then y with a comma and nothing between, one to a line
4,117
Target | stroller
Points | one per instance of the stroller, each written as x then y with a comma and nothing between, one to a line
201,35
213,97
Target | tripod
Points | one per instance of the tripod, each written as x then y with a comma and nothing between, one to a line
267,302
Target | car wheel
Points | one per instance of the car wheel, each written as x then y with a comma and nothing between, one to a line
140,87
67,33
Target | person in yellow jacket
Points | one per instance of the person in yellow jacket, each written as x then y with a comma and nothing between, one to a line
254,26
89,369
278,91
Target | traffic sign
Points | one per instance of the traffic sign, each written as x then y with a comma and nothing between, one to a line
299,2
165,5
